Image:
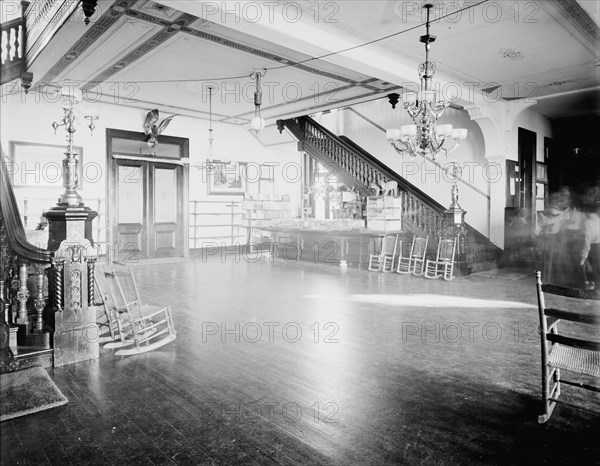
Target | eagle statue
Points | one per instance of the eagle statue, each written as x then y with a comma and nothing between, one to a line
153,130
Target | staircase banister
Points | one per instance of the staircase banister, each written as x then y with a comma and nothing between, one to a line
391,174
395,176
15,231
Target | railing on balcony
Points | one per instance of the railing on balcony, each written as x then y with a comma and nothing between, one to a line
12,49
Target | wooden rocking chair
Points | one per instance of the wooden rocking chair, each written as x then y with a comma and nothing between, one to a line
415,261
108,328
139,327
384,261
443,265
578,356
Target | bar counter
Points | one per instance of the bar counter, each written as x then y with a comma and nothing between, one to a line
343,247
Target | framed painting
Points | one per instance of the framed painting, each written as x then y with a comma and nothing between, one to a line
227,178
39,165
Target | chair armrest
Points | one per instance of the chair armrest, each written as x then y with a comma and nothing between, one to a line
589,319
551,322
165,310
574,342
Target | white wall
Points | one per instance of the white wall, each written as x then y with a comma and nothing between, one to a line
29,119
535,122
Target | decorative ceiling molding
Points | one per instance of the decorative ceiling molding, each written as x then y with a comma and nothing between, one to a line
183,23
90,37
577,17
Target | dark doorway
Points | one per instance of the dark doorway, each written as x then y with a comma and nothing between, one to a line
527,158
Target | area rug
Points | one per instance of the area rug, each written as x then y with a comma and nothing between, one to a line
27,392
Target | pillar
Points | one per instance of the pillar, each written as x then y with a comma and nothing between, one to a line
75,330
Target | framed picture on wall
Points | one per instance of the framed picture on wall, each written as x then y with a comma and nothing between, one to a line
40,165
227,178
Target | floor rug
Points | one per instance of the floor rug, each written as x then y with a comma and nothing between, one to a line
27,392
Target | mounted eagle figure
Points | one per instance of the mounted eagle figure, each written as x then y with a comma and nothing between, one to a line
152,130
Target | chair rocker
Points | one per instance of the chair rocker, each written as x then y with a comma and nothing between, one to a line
260,241
443,265
140,327
384,261
579,356
108,328
415,261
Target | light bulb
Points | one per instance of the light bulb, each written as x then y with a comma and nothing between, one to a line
257,124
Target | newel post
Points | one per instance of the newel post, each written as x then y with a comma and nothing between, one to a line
75,329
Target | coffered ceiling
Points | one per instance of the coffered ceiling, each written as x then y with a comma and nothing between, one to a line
321,55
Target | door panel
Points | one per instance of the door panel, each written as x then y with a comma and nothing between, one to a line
167,228
131,237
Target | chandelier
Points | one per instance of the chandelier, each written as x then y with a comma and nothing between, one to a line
425,137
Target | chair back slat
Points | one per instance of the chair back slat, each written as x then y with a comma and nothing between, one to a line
571,292
419,248
446,249
389,244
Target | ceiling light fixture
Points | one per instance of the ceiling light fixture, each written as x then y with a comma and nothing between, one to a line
210,128
424,137
257,123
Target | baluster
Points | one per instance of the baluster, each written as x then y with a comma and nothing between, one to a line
3,301
58,284
12,295
91,262
22,295
428,219
38,301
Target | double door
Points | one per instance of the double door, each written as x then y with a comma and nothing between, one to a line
149,208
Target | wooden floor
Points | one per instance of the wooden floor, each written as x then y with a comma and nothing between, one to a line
303,363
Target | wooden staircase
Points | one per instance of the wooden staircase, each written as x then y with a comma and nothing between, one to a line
26,286
357,169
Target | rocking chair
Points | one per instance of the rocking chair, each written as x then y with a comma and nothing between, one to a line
139,327
415,262
384,261
443,265
579,356
108,329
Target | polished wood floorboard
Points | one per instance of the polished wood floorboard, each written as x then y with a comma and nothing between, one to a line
371,369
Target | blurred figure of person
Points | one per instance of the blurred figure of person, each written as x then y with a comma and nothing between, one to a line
589,253
553,225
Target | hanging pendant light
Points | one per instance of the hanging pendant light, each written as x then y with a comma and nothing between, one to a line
257,123
425,137
210,156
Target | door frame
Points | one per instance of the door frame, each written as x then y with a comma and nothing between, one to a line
111,166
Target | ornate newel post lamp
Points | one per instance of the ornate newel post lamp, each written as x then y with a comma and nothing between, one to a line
70,237
455,215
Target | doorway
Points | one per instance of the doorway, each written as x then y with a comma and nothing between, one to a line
527,169
148,197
